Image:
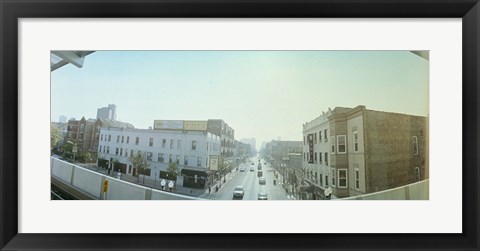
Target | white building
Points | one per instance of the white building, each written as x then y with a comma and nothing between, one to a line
191,150
316,150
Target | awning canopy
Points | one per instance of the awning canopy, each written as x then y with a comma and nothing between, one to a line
191,172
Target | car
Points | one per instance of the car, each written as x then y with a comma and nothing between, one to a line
238,192
242,169
262,181
262,196
251,169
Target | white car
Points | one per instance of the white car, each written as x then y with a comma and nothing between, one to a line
238,192
262,196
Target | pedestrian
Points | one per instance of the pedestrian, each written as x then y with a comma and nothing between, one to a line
170,185
163,183
209,189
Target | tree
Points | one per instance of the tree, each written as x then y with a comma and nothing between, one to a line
87,157
68,149
55,135
173,170
140,162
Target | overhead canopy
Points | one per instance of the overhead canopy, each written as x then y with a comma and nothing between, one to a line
61,58
190,172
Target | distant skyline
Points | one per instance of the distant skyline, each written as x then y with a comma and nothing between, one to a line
260,94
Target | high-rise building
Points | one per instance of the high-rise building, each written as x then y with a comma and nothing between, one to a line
109,112
62,119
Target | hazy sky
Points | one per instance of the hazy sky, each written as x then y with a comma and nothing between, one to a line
260,94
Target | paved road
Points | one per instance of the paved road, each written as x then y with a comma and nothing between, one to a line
249,181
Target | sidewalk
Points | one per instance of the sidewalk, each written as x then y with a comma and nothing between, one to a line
156,184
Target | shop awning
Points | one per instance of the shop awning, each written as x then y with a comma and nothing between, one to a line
190,172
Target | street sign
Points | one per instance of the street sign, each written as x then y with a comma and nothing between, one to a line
105,185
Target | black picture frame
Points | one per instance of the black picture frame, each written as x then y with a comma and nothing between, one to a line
11,11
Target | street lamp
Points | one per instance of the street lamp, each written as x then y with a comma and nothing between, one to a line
74,151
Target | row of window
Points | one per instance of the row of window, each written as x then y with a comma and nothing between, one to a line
325,137
341,146
342,178
317,157
172,143
149,156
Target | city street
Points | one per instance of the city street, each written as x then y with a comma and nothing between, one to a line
250,182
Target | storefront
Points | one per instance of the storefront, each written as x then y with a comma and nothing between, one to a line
194,178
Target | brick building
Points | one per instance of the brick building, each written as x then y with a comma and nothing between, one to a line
368,151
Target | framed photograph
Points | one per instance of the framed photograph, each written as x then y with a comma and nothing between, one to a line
169,124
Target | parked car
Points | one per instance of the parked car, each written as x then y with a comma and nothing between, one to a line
238,192
262,181
262,196
242,169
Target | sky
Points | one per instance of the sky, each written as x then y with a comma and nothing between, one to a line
261,94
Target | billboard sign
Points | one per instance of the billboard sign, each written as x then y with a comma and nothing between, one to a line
168,125
310,148
192,125
214,162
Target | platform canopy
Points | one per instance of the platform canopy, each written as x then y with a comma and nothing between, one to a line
61,58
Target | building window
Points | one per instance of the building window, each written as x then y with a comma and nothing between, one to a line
315,138
126,152
357,179
137,140
320,155
199,161
304,157
149,156
170,158
417,174
308,157
118,138
342,178
194,145
122,138
121,151
326,180
415,145
101,137
108,150
334,178
128,139
116,150
109,137
326,138
321,179
185,160
326,159
171,143
150,142
164,141
304,140
160,157
341,144
100,149
178,159
315,158
316,177
355,141
131,153
179,144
